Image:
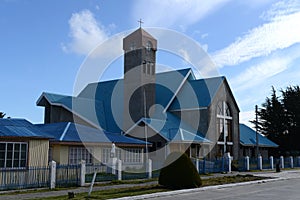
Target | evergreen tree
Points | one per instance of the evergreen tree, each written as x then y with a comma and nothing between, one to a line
291,102
2,114
279,119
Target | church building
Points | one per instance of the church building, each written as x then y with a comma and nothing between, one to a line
172,111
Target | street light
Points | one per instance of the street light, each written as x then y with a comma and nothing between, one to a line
256,130
146,131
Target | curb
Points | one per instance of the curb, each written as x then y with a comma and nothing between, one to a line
184,191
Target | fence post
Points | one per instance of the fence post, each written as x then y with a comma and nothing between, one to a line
113,165
272,162
149,168
228,162
282,162
52,174
197,165
247,163
119,169
291,161
82,173
259,163
204,165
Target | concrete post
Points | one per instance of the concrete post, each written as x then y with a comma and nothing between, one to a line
291,161
247,163
52,165
113,165
119,170
228,159
271,162
149,168
82,173
197,165
281,162
259,163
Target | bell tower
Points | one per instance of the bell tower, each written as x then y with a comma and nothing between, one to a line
139,76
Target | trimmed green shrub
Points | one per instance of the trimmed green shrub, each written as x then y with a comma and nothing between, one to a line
179,172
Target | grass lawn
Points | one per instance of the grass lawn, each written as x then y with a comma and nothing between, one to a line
139,190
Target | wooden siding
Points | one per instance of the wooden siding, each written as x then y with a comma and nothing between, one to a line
38,153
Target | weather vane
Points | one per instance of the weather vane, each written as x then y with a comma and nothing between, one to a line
141,22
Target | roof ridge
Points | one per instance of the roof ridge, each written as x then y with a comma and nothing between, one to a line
65,131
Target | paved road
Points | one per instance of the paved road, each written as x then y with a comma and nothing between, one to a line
277,190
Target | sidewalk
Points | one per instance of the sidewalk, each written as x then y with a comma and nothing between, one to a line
43,194
279,176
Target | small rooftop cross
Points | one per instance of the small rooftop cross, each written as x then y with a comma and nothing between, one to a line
141,22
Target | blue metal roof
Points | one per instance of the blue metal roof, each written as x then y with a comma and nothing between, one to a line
71,132
95,103
248,138
175,130
20,128
197,93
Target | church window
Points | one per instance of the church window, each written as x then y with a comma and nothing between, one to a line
132,46
144,68
149,46
224,127
152,69
148,68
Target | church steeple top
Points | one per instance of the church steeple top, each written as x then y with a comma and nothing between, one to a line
139,39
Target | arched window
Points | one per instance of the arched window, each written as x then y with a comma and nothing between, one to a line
224,128
149,46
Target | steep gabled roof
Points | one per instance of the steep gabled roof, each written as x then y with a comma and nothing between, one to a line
248,138
71,132
20,128
197,93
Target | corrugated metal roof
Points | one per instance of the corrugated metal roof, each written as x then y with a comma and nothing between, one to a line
175,130
197,93
95,101
71,132
20,128
248,138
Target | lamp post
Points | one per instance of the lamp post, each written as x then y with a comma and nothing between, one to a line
256,130
146,131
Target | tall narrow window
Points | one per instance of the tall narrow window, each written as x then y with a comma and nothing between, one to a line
148,68
149,46
152,69
224,128
132,46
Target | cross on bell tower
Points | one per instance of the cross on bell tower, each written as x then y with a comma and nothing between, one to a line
141,22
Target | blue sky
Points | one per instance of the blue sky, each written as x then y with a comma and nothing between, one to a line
254,43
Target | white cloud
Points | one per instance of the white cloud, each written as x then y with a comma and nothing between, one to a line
265,69
260,72
281,32
246,116
168,13
85,33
